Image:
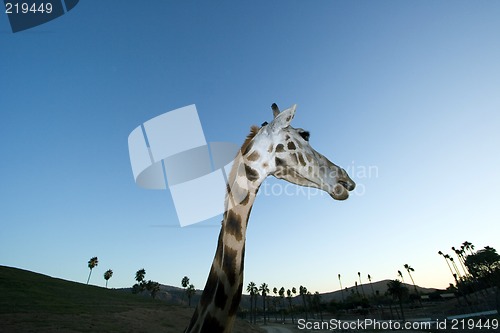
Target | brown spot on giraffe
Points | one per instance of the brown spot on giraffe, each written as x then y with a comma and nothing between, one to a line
252,175
212,325
270,149
280,148
236,300
291,145
242,261
220,299
233,224
254,156
301,160
229,264
279,162
245,200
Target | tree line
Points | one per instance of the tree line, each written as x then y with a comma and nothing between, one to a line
472,272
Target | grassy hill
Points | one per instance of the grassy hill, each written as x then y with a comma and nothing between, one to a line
32,302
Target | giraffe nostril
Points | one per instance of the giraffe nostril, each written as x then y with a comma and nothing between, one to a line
344,184
347,185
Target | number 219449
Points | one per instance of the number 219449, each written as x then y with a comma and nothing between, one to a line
25,8
470,324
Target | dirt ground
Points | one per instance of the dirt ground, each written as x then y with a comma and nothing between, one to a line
173,319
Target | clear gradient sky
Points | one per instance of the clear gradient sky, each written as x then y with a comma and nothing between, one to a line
404,94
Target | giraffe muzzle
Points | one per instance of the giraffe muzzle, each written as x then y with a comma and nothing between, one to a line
343,186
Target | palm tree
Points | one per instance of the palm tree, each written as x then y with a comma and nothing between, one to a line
409,269
468,246
468,274
92,263
371,285
107,275
455,266
289,295
398,291
264,289
275,292
190,291
185,285
317,304
282,296
153,287
461,258
141,283
185,282
457,272
341,290
140,275
361,284
445,256
252,290
257,293
303,293
401,276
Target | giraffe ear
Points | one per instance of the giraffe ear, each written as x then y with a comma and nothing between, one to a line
283,119
276,110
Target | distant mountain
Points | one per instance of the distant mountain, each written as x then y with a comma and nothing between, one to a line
379,286
170,294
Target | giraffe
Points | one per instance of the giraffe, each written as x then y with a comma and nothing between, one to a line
274,149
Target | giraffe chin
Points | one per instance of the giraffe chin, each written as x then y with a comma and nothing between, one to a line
339,192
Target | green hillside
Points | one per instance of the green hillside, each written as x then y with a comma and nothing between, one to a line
32,302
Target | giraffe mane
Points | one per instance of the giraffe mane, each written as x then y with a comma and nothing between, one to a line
253,132
245,147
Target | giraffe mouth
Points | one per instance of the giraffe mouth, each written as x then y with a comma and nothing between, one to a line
341,190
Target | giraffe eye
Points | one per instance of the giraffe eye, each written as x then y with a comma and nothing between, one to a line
305,135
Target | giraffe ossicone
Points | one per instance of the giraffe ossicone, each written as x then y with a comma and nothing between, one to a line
275,149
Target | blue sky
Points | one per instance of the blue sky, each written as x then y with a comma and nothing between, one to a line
405,95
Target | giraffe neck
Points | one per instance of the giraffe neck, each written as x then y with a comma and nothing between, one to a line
221,296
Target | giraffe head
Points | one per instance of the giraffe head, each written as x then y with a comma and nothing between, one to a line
284,152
